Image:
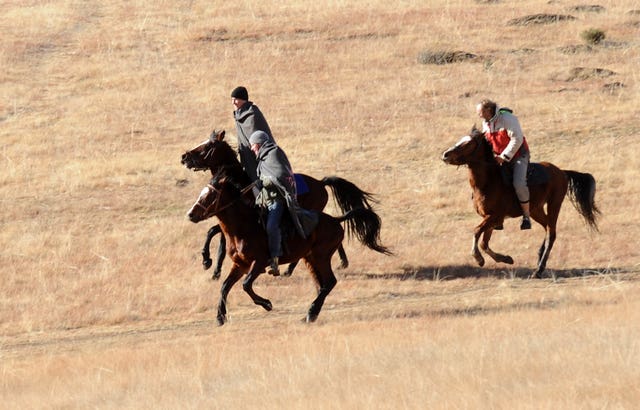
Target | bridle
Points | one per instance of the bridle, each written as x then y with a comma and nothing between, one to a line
473,153
216,202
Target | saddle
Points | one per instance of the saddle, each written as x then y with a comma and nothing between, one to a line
536,174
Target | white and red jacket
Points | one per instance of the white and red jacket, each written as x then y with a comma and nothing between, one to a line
505,135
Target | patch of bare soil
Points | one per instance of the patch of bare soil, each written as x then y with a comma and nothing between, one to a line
444,57
541,18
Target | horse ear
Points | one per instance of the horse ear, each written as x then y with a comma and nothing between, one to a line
216,135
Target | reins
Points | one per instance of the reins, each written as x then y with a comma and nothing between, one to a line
217,191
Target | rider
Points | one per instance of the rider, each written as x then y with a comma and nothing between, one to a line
277,191
249,119
502,129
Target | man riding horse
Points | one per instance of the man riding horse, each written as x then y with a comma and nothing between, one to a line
502,129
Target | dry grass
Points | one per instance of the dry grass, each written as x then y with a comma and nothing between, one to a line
103,302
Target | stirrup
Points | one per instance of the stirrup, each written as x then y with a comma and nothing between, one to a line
526,223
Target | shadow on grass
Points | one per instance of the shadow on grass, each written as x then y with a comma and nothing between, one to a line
437,273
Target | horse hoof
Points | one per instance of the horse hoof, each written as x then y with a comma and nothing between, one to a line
508,259
267,305
216,275
206,263
310,318
287,273
221,320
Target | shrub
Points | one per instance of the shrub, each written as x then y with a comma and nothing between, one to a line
593,36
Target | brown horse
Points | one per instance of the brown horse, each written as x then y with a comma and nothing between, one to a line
247,247
494,199
215,154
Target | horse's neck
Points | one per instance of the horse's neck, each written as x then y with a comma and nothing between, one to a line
482,176
235,170
238,219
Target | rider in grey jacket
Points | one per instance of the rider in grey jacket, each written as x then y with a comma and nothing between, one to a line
249,119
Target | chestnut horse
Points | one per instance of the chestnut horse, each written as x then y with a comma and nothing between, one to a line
494,199
215,154
247,247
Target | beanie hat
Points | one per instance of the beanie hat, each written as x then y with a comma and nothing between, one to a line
240,93
258,137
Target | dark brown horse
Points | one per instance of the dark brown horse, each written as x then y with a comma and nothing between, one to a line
495,200
231,202
215,154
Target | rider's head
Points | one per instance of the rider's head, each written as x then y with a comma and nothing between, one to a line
257,139
239,96
486,109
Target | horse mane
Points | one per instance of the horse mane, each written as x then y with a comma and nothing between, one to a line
487,148
228,177
232,163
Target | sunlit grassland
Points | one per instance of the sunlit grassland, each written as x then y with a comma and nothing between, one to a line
103,301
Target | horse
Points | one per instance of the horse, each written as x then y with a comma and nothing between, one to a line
247,247
494,200
215,154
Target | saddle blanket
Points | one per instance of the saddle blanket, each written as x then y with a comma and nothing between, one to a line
301,186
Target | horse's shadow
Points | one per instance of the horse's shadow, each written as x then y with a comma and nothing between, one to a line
451,272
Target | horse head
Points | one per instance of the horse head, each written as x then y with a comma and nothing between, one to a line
206,204
211,154
471,148
220,193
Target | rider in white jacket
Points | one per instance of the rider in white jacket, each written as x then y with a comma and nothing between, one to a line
502,129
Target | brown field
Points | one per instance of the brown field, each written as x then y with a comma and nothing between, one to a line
103,300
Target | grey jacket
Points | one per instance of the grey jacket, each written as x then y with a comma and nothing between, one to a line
274,169
249,119
278,184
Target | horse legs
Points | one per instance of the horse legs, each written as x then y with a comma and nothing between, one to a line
344,262
475,251
206,256
234,275
222,250
479,230
247,285
543,253
325,280
485,229
498,257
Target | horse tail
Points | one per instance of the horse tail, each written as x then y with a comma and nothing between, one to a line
347,195
365,224
582,192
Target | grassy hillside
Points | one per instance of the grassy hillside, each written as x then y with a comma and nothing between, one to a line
104,303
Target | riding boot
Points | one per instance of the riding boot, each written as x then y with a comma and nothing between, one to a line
272,269
526,222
